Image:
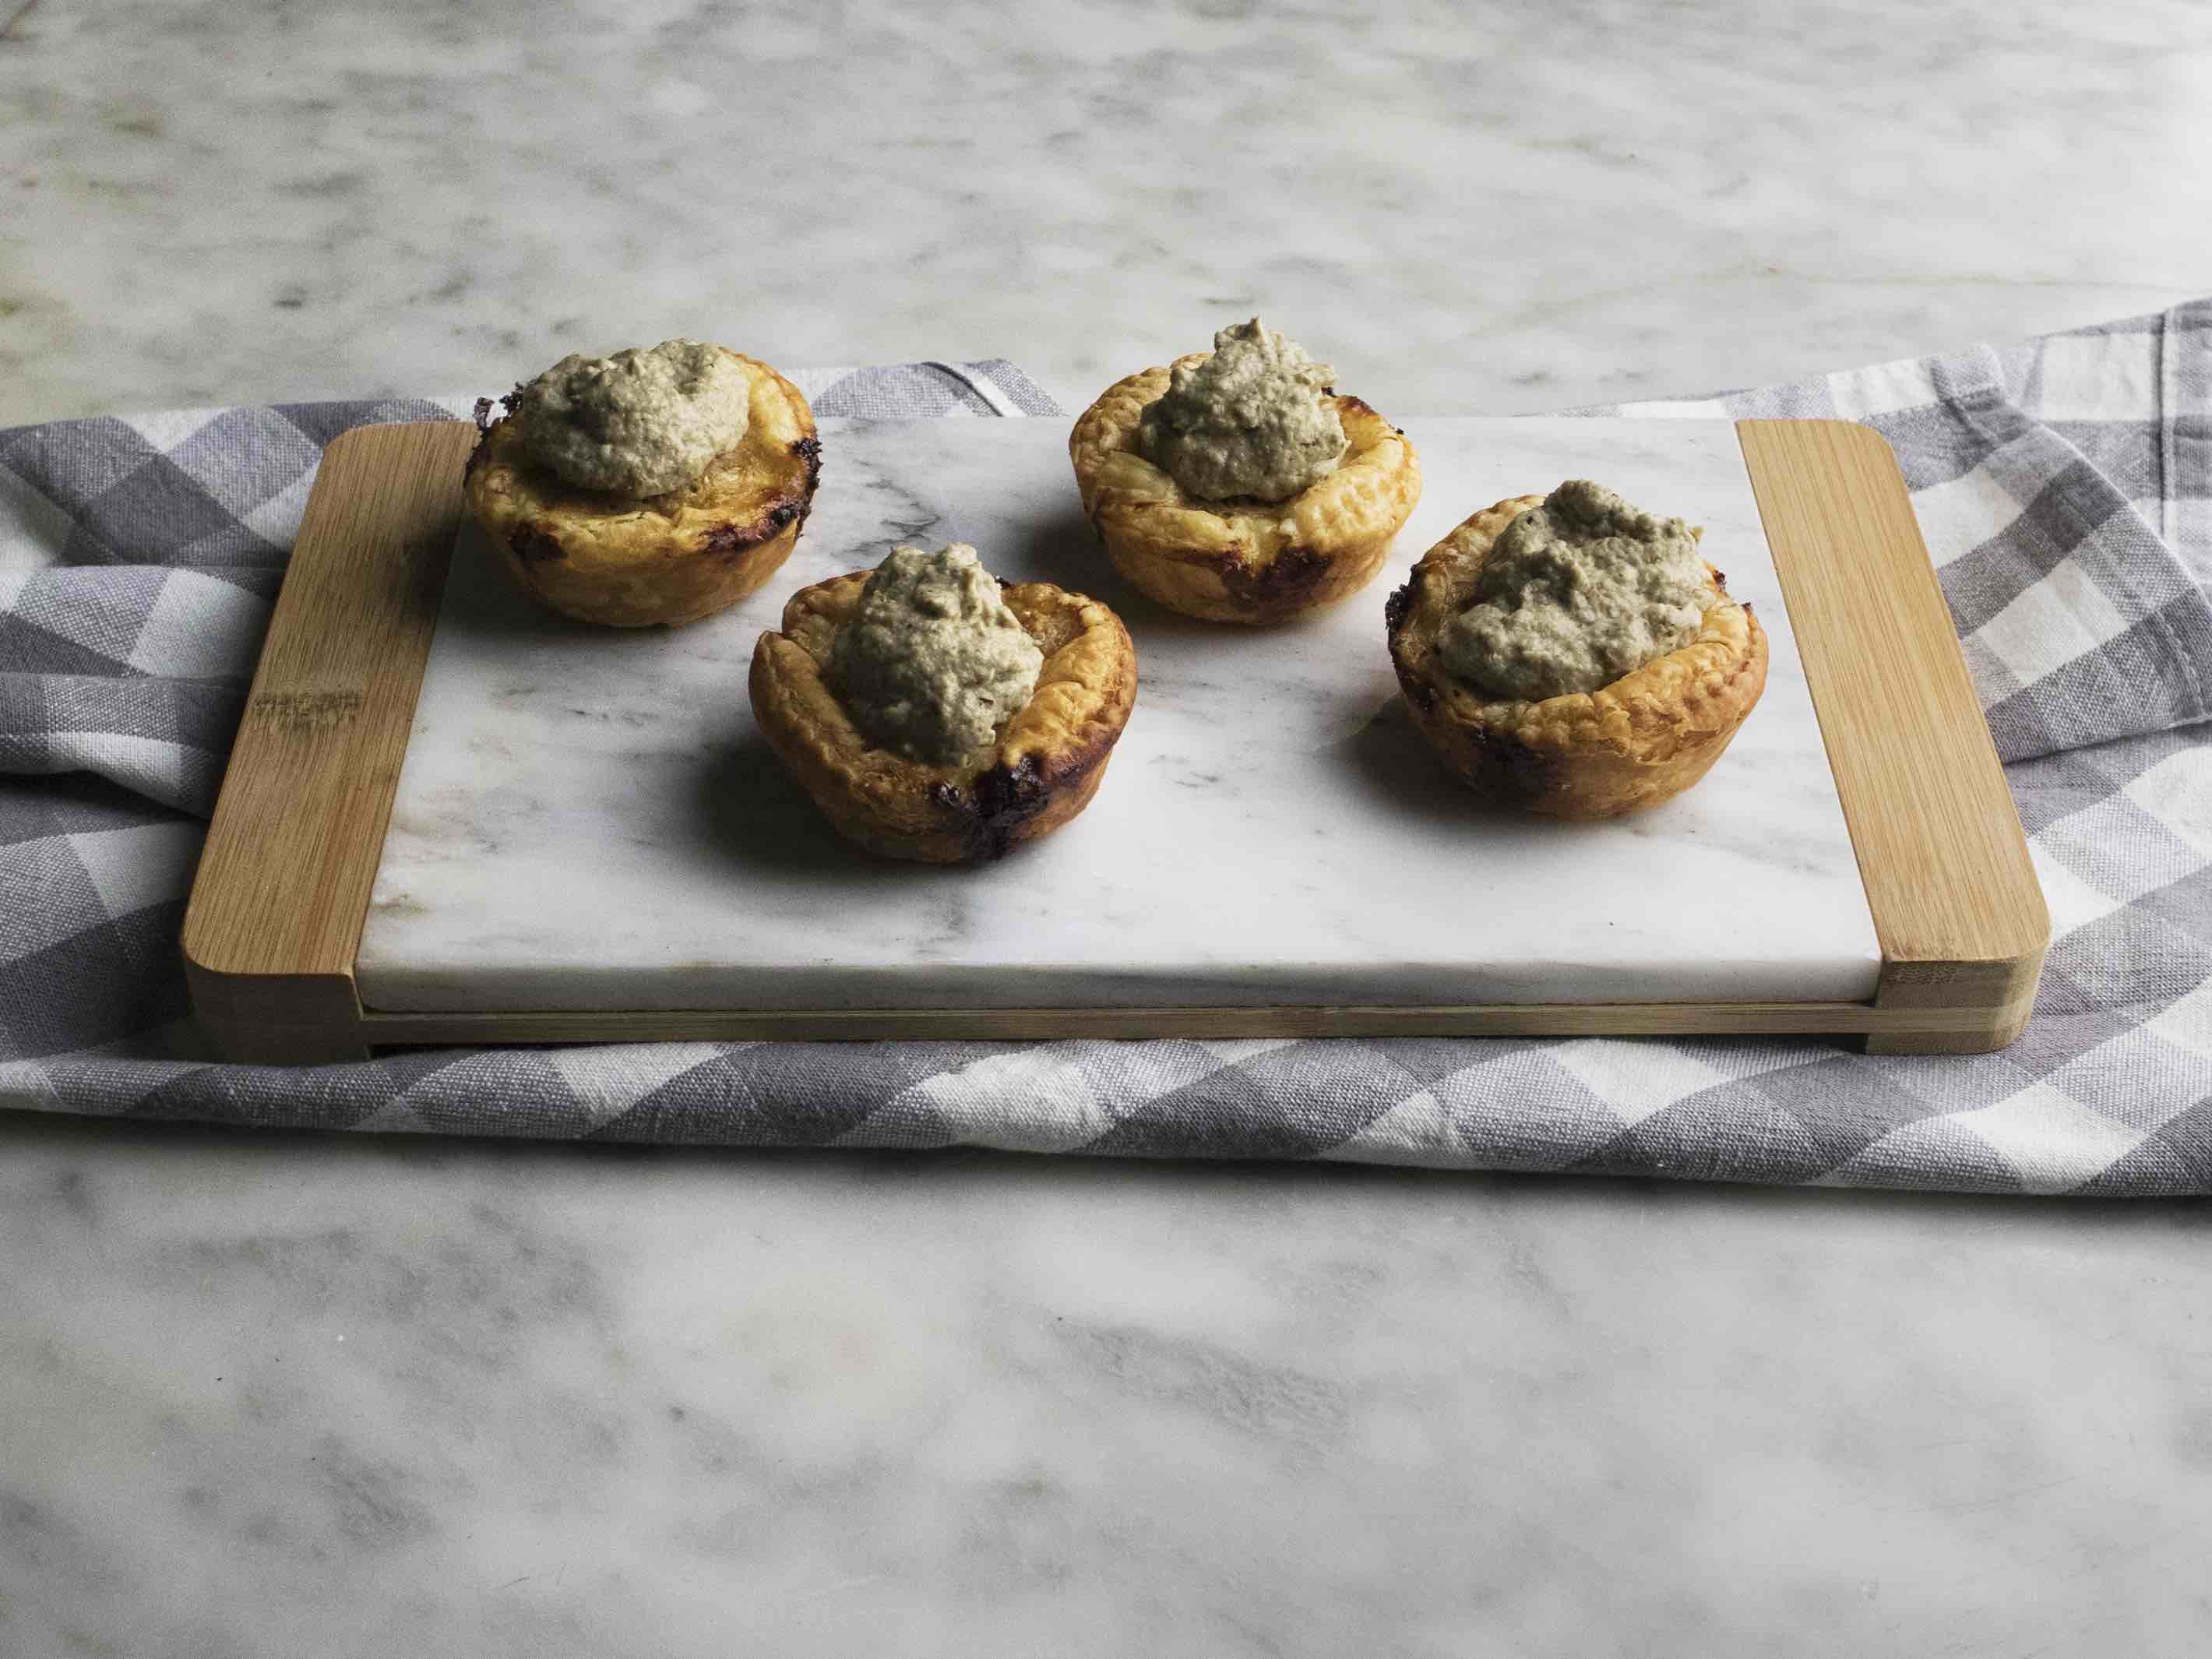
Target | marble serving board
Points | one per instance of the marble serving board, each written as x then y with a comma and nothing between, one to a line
588,819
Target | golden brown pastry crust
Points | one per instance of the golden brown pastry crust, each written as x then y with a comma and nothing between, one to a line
669,559
1641,740
1241,561
1042,771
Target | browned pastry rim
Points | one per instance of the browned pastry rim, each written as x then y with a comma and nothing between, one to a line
1241,560
634,561
1630,745
1043,770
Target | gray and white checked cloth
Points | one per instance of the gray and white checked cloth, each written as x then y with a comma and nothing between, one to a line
2065,487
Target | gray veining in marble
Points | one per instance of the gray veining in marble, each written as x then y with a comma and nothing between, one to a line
590,820
264,1396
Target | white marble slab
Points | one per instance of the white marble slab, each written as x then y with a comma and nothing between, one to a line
589,820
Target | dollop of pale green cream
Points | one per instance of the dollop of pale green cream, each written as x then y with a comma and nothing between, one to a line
933,663
1252,419
643,422
1577,592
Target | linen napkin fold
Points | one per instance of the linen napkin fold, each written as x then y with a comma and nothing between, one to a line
2063,485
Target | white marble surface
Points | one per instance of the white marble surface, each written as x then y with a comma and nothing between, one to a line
1272,828
269,1396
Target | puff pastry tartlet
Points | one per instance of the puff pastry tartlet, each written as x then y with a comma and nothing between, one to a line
1240,559
1038,771
632,560
1640,740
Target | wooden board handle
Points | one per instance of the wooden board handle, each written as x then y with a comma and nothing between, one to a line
1961,921
276,916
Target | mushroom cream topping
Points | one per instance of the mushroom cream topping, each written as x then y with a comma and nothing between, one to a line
640,423
932,664
1252,419
1577,592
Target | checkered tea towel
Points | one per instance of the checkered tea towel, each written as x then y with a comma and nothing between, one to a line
2063,487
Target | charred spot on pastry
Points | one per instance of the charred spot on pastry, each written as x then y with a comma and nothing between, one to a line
1422,695
1006,798
1086,756
1526,770
480,452
731,540
809,450
1283,579
1396,608
535,545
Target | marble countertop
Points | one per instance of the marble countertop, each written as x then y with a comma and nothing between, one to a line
268,1396
1495,211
